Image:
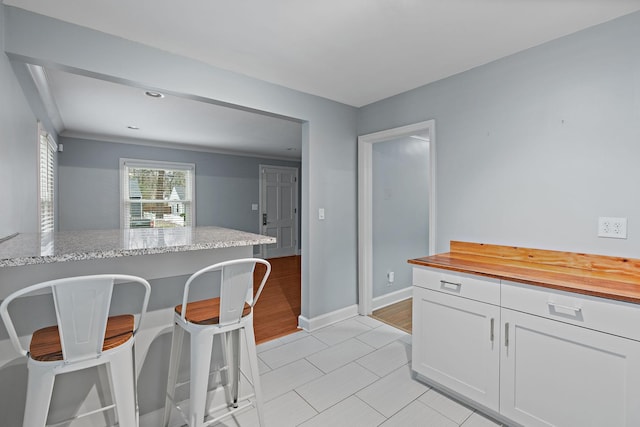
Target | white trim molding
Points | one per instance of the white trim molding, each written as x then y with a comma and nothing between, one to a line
327,319
392,298
365,210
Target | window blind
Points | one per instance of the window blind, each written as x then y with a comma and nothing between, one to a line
46,169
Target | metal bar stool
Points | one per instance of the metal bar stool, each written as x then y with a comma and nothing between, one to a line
227,315
85,336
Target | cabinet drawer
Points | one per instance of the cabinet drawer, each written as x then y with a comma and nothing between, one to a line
614,317
478,288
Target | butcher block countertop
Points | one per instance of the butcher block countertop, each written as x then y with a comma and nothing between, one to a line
616,278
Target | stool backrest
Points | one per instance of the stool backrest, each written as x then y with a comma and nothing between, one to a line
236,287
82,307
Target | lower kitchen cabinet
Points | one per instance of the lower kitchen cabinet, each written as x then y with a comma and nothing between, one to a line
529,355
557,374
456,343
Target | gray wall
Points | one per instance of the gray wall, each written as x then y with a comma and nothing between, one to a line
400,216
533,148
18,154
226,185
329,134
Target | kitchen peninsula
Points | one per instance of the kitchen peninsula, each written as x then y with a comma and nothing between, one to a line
164,256
532,337
147,252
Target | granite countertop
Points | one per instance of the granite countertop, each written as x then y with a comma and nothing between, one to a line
36,248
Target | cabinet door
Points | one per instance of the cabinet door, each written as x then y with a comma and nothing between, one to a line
556,374
456,343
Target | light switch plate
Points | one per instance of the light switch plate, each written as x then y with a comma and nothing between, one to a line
321,213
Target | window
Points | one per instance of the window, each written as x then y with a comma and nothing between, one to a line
156,194
46,181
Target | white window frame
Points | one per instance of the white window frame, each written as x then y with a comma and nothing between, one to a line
47,171
125,163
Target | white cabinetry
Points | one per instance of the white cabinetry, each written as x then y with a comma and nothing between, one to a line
531,355
456,339
553,373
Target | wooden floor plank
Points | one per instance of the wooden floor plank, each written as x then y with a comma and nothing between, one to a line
276,312
397,315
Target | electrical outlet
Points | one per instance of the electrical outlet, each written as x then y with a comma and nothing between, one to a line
615,228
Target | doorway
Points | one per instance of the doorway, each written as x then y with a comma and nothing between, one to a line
423,131
279,210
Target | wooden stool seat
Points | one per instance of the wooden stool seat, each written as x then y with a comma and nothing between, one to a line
45,344
206,312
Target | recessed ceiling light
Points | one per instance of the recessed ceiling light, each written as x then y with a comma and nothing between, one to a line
154,94
133,127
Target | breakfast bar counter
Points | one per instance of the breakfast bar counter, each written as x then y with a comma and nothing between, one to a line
147,252
36,248
164,256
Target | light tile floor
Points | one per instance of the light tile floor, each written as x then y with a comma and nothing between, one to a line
353,373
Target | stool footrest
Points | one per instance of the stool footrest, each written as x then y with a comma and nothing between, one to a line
247,401
86,414
224,368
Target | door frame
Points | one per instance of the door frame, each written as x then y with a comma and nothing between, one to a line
365,203
261,204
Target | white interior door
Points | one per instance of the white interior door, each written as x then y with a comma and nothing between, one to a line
279,210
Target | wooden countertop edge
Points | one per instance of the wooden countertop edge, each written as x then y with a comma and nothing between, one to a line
600,284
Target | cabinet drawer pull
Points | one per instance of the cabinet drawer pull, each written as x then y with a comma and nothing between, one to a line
506,334
491,334
450,286
555,306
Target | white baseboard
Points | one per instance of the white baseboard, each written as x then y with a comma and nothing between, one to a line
327,319
392,298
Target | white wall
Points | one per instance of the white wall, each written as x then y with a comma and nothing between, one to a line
533,148
400,217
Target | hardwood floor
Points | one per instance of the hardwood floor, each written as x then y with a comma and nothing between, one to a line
397,315
276,313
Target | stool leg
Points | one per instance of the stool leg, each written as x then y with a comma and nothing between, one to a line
105,389
255,374
39,388
201,346
124,394
225,371
177,338
235,365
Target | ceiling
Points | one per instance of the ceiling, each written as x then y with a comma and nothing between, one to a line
351,51
171,120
